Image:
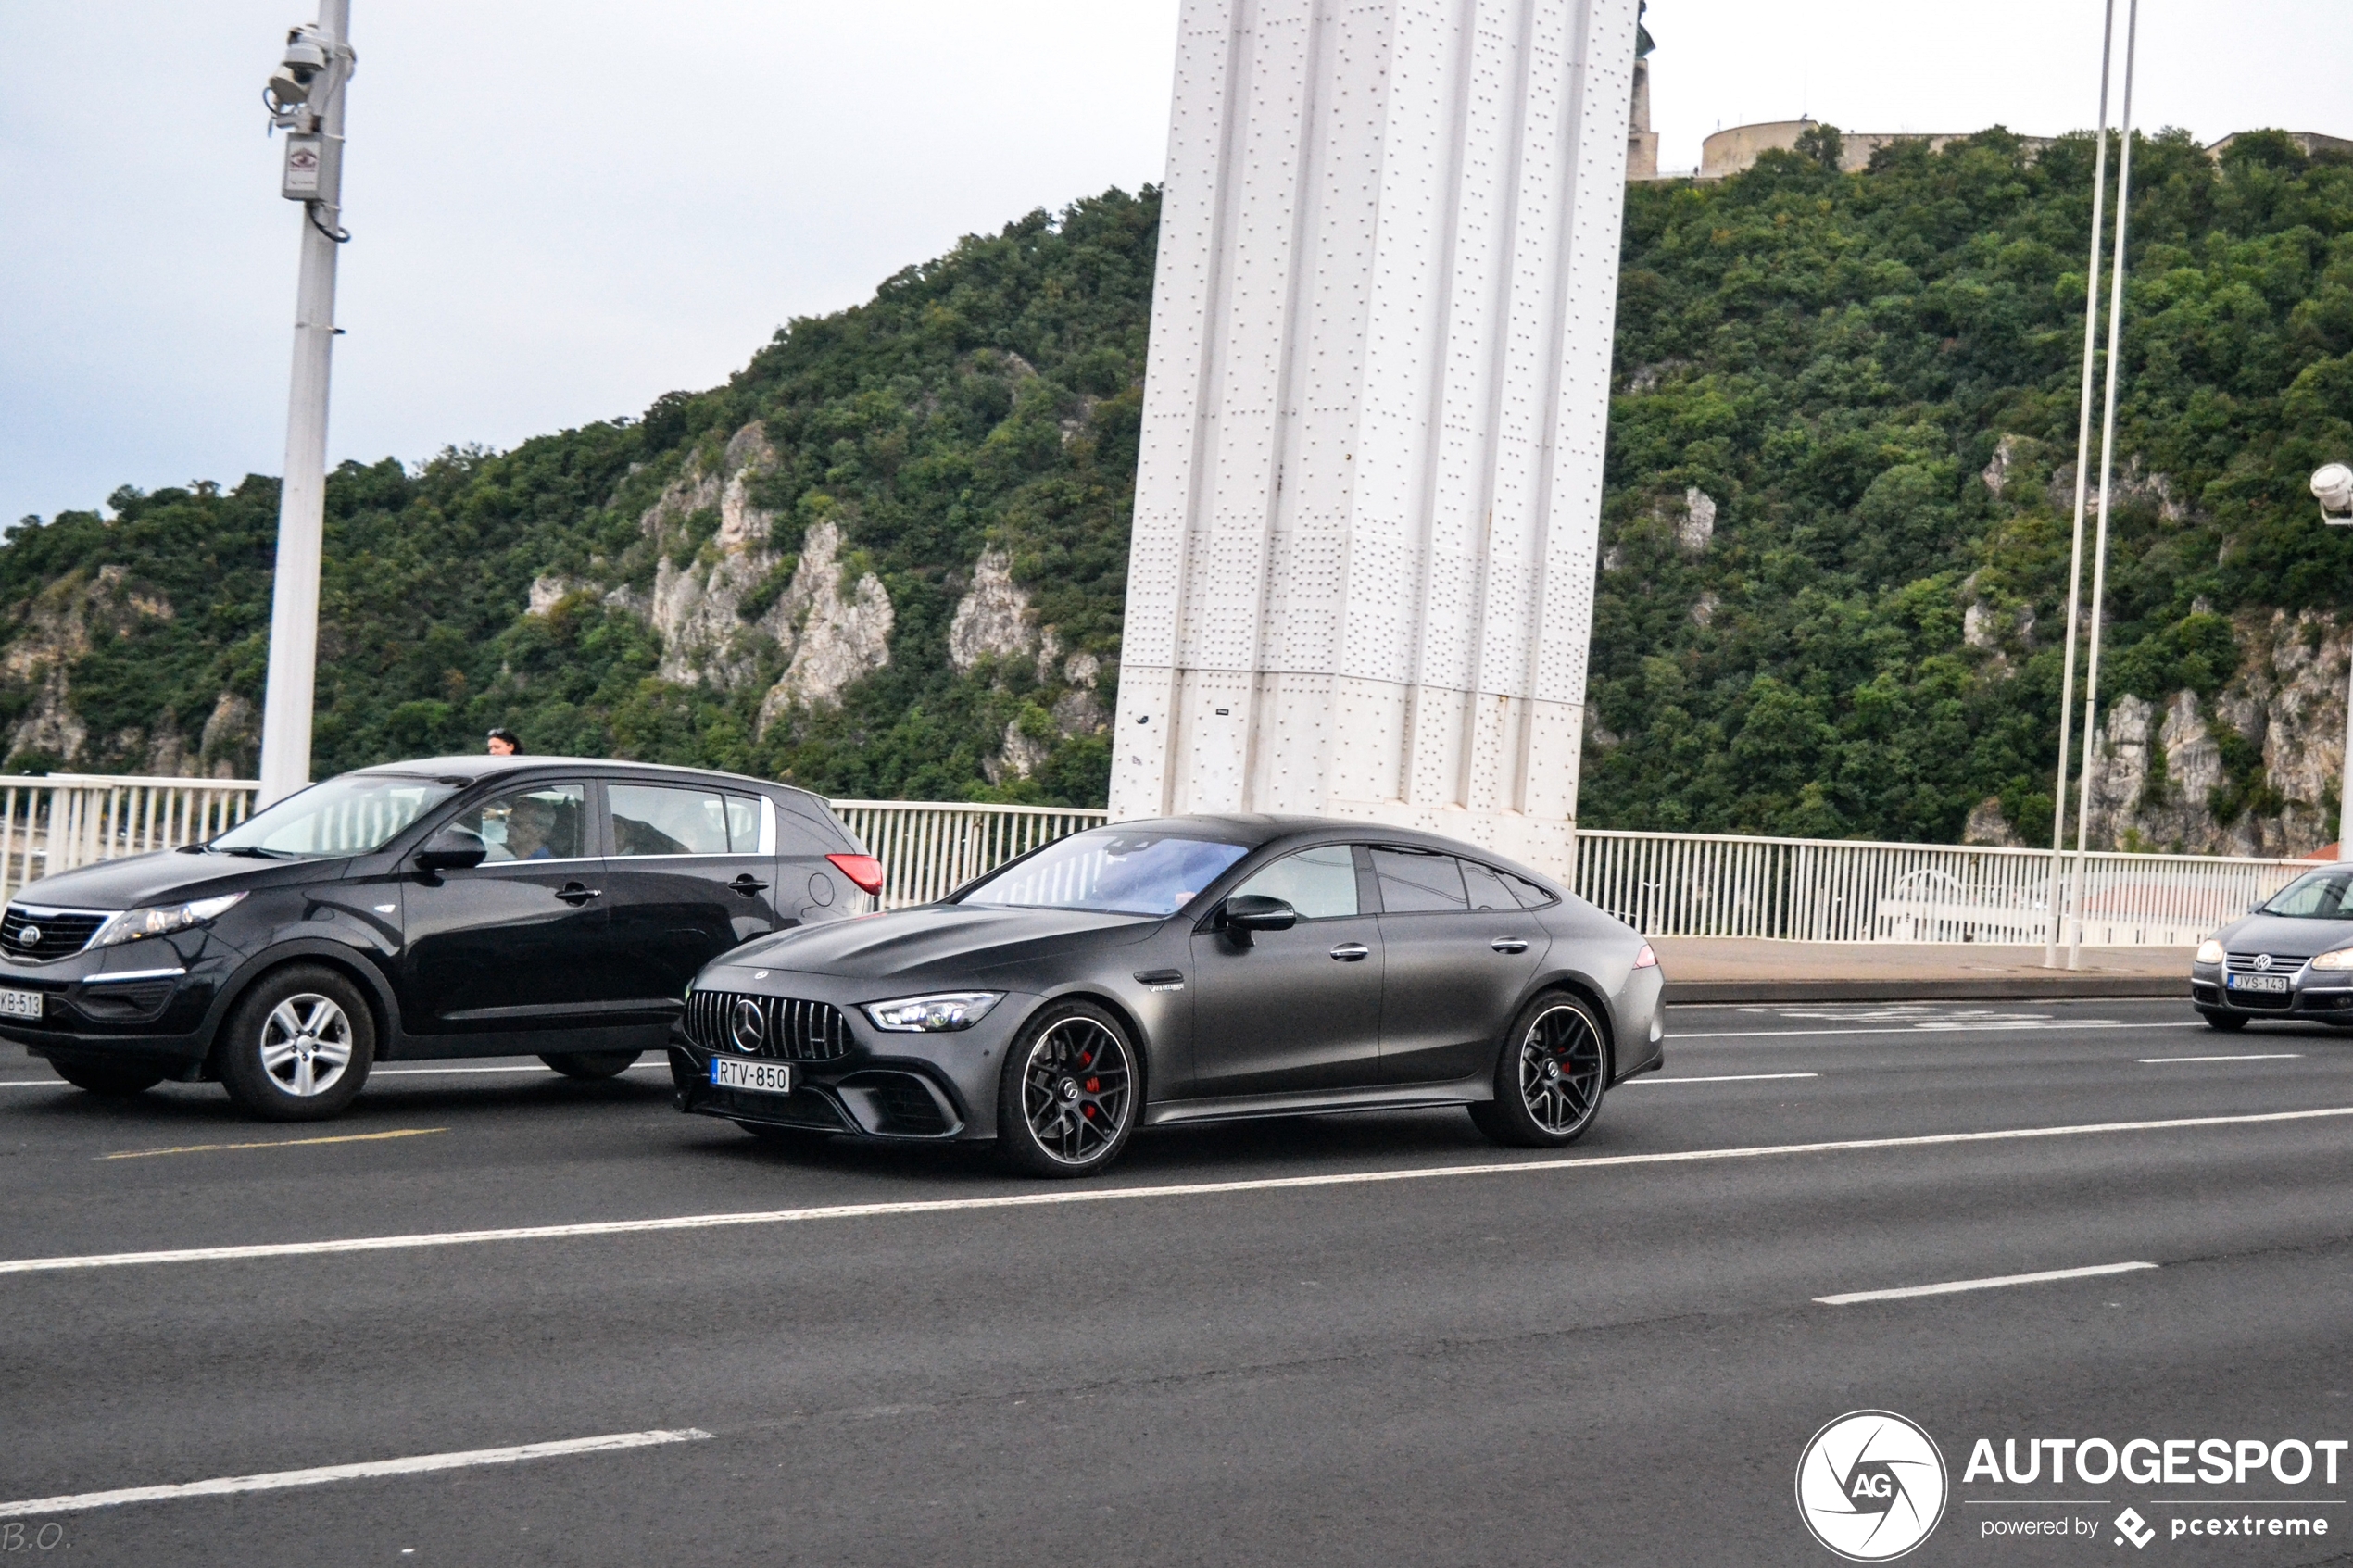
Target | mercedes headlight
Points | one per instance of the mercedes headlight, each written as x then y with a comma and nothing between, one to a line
932,1015
162,920
2341,959
2210,951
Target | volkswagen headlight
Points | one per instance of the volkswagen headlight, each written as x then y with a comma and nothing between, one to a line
2341,959
2210,951
932,1015
162,920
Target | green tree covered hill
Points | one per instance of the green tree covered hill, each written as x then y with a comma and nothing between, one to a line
887,558
1868,385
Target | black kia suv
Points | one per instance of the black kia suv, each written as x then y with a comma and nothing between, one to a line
461,906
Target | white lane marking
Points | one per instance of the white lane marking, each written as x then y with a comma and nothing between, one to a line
1104,1194
419,1464
532,1067
1928,1029
378,1072
1721,1078
1994,1283
2236,1055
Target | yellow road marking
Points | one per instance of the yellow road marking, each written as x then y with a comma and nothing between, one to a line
279,1142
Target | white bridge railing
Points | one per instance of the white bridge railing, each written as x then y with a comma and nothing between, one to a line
60,820
930,848
1664,884
1825,890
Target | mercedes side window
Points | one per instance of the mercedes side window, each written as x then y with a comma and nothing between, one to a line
1487,888
546,824
1530,897
1319,883
1411,884
661,820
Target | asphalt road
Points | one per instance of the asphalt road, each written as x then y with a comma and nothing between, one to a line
1607,1360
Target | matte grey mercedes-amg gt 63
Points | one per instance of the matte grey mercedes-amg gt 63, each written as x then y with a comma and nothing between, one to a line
1190,969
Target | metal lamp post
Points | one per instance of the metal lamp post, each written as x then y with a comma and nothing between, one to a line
305,96
2332,487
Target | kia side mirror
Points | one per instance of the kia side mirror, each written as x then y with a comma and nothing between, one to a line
453,849
1247,913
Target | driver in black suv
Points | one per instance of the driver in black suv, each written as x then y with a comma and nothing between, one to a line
468,905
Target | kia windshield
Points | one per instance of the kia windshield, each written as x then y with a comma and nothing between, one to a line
351,815
1111,870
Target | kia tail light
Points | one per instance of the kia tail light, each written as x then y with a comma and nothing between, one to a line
864,869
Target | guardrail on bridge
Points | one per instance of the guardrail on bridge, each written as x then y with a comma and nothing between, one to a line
1664,884
61,820
1832,890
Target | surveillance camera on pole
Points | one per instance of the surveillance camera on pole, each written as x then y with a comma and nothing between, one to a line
304,97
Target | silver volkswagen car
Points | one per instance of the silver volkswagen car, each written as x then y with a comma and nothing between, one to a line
2292,957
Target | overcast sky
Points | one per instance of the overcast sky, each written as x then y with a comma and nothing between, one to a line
564,210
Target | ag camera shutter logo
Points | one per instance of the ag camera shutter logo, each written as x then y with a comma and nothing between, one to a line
1871,1486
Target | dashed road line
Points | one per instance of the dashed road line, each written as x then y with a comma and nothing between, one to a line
1998,1282
275,1143
418,1464
2235,1056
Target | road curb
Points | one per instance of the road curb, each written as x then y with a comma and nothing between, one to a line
1990,988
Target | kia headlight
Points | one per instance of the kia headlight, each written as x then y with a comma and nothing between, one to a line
2341,959
162,920
932,1015
2210,951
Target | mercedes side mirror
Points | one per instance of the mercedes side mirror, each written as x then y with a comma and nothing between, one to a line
1247,913
453,849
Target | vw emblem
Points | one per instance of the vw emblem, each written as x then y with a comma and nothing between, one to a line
29,938
2262,961
747,1025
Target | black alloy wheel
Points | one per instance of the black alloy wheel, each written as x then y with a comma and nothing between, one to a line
113,1079
593,1065
299,1045
2228,1022
1549,1077
1070,1095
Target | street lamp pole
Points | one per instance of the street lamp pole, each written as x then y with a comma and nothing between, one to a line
2083,485
305,99
2076,891
2332,487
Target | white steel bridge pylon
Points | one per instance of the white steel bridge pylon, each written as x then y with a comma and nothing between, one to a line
1370,489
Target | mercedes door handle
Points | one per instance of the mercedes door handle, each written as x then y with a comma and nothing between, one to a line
747,885
575,895
1509,944
1349,952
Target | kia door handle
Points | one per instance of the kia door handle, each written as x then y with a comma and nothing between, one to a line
575,895
746,884
1349,952
1509,944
